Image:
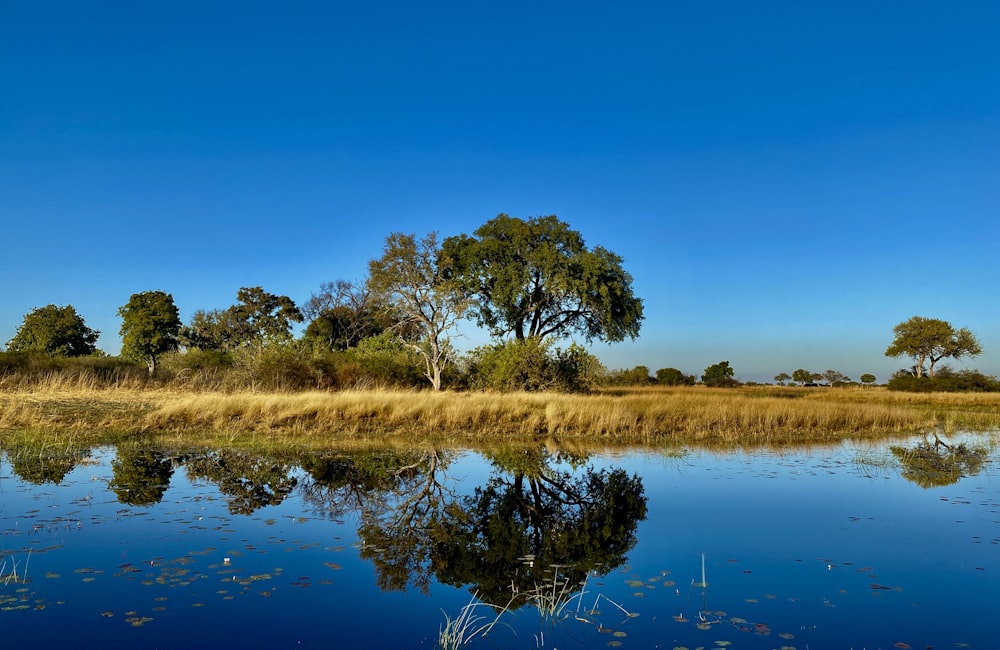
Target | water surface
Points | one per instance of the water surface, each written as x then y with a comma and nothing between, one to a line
855,546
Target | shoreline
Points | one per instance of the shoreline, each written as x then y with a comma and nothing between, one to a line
650,417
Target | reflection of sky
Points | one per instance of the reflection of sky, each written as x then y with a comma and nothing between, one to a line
793,540
816,529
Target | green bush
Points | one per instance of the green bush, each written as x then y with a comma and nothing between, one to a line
674,377
385,361
533,365
945,380
512,366
638,376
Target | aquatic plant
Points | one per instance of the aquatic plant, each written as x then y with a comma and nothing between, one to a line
461,630
8,576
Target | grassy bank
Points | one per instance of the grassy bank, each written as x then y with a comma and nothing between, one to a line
654,416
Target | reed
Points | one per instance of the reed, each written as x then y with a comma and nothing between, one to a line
661,417
8,576
461,630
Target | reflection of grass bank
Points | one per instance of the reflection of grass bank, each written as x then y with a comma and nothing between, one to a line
659,417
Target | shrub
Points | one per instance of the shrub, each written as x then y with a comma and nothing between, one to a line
638,376
533,365
512,366
384,360
945,380
674,377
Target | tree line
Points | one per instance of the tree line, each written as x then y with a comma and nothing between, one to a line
528,282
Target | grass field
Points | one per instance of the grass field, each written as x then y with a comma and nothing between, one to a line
642,416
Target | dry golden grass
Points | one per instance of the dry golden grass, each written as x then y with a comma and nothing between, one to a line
657,416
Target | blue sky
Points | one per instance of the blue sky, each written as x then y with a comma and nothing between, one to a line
786,181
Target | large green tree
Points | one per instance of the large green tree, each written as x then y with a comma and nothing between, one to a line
537,278
54,330
150,326
411,277
257,318
929,340
263,317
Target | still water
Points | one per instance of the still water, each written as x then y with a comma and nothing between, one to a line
854,546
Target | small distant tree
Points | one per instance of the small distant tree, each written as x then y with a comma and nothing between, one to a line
832,377
719,375
867,379
637,376
150,327
782,377
802,376
929,340
54,330
673,377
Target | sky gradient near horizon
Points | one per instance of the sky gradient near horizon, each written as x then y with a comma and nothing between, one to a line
785,181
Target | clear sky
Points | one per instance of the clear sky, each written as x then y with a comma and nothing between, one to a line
786,181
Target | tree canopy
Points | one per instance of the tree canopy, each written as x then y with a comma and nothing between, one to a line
537,278
719,375
803,376
150,326
54,330
258,317
929,340
344,313
412,277
673,377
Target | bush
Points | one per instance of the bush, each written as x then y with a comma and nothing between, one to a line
532,365
384,360
674,377
512,366
944,380
638,376
578,371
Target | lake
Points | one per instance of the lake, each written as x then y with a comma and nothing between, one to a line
861,545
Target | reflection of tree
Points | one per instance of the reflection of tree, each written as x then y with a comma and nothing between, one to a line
141,475
341,484
399,538
511,535
937,464
250,480
39,467
501,539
